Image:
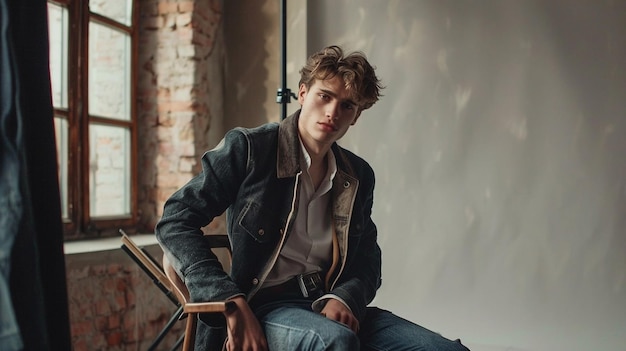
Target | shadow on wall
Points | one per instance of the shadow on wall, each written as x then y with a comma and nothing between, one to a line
248,26
498,150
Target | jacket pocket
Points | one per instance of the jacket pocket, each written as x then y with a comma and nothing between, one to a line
257,222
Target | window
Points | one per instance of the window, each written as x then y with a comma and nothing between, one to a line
92,70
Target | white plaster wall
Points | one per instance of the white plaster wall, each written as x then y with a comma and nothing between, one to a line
501,174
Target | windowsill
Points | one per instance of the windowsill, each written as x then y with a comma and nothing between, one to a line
106,244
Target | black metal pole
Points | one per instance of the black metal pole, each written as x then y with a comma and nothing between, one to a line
283,95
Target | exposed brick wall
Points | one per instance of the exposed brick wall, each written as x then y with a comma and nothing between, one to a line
183,72
180,101
179,95
114,305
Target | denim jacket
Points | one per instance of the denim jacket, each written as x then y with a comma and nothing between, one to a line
253,175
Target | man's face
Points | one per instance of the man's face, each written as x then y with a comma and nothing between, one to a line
327,113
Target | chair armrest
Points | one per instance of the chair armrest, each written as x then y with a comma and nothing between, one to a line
209,307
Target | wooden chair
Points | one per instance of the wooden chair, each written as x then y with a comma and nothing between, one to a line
192,309
173,287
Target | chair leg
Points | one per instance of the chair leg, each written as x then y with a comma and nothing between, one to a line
190,332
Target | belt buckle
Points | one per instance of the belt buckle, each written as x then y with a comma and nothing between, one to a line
309,282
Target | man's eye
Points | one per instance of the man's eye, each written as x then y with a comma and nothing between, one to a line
348,106
324,96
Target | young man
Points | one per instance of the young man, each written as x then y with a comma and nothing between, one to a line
305,261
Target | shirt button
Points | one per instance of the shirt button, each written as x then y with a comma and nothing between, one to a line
261,231
255,281
346,184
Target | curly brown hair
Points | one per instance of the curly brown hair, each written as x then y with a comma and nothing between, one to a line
357,73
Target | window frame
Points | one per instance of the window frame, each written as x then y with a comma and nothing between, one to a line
79,224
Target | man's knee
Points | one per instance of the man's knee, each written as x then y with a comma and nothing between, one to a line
453,345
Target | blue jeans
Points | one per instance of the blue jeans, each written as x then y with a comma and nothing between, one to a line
292,325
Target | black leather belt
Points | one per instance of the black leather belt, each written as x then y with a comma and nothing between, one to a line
302,286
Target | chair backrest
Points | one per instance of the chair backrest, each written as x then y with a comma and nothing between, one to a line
172,285
220,245
217,242
148,264
179,286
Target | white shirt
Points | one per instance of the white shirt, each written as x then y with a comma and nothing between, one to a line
309,246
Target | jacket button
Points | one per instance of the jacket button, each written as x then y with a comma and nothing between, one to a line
346,184
255,281
261,231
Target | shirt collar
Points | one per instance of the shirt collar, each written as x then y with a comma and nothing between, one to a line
331,170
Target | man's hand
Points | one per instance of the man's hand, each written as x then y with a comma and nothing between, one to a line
244,330
337,311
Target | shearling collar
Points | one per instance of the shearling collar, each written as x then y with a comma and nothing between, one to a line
288,156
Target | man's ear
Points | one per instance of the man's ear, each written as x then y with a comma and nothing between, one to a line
302,90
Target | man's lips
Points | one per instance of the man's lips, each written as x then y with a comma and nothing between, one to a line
328,126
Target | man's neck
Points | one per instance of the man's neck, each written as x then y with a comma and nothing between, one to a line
318,168
318,162
316,151
317,158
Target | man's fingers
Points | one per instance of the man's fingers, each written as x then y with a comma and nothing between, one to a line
344,318
351,322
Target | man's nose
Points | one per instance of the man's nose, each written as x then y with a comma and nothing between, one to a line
332,110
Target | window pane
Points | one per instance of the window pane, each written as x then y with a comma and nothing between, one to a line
58,24
109,170
109,72
62,137
119,10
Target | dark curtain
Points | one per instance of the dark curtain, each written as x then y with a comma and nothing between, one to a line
31,228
